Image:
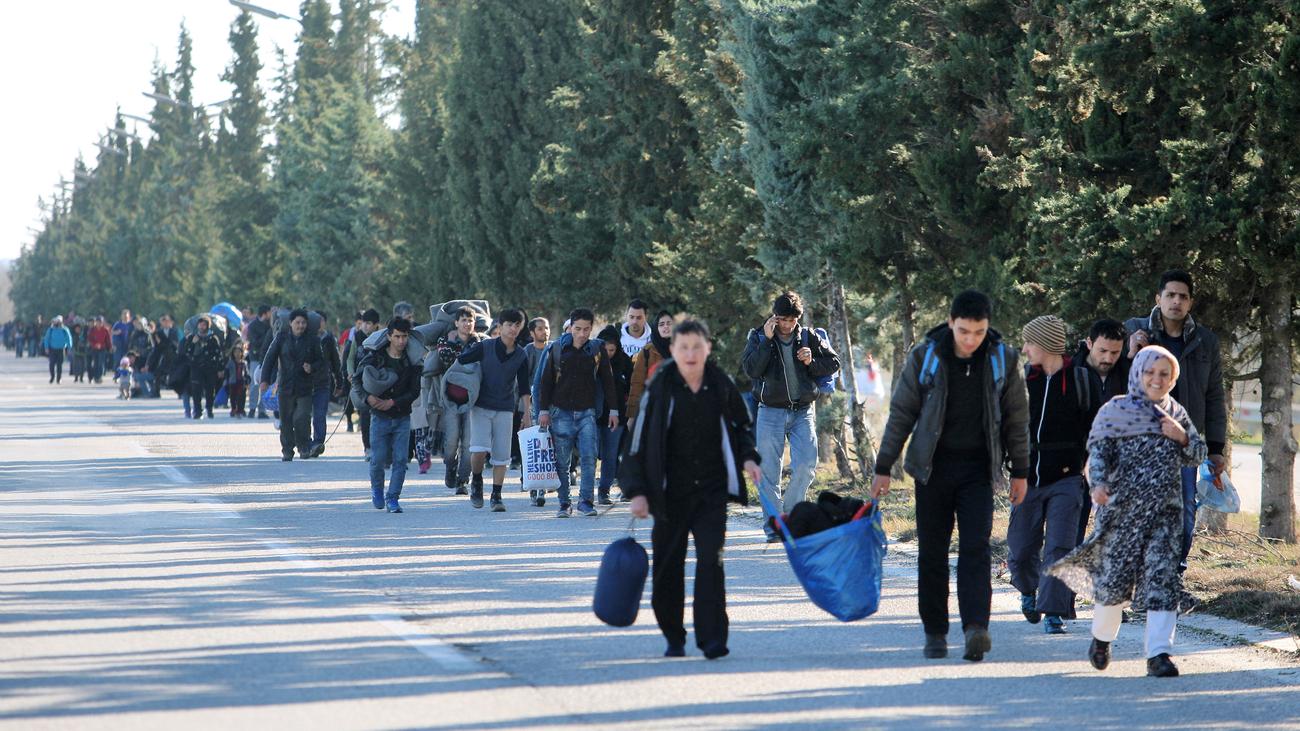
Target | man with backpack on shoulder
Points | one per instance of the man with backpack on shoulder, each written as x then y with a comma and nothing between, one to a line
961,399
576,382
785,360
1045,527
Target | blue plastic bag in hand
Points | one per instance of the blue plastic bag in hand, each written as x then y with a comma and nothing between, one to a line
1208,495
840,568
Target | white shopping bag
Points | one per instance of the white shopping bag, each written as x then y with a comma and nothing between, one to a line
538,453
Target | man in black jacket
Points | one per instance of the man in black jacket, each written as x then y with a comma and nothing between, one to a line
259,339
689,454
390,383
960,404
207,365
1045,526
1200,385
291,358
785,361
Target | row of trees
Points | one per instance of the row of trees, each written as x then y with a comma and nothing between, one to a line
876,155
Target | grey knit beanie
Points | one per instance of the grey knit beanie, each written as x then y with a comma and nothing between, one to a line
1048,332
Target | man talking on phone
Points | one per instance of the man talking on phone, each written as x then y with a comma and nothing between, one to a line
784,360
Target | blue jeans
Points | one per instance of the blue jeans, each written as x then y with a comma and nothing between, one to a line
389,442
609,443
1189,514
773,427
568,428
320,404
148,386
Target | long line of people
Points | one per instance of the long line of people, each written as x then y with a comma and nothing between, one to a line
1121,423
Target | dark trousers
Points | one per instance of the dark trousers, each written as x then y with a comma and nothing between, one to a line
1189,516
203,387
295,423
705,517
365,426
236,394
320,405
56,365
961,489
1043,529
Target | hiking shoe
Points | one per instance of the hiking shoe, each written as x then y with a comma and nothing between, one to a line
604,500
1099,654
476,491
563,512
1029,608
318,450
1161,666
978,642
586,508
286,457
936,646
498,506
377,498
715,652
461,489
1054,625
393,507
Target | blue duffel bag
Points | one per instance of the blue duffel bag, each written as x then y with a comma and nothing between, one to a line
840,568
621,582
270,401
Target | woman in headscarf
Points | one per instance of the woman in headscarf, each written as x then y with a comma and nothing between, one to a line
1137,447
646,361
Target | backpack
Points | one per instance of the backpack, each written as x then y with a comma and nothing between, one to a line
825,384
1082,387
595,347
930,366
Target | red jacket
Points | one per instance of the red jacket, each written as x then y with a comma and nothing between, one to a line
100,338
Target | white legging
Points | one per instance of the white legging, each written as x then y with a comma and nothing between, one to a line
1160,627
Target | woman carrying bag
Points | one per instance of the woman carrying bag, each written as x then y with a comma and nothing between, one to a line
688,456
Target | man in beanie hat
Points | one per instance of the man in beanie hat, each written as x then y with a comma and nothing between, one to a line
1045,527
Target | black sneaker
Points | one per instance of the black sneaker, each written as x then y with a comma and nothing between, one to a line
286,457
1161,666
497,505
476,491
1029,608
318,450
675,650
586,508
978,642
936,646
564,511
604,500
1099,654
461,489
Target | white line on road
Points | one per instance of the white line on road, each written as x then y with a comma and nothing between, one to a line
435,649
174,475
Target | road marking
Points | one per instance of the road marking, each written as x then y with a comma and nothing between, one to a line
174,475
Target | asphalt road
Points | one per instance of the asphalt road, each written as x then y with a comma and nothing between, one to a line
163,573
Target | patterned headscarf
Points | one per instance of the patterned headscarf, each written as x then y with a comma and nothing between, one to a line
1134,414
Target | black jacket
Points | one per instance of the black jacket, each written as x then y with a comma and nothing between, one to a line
1103,389
1060,417
918,404
763,364
259,339
621,366
403,393
285,358
644,469
206,355
331,376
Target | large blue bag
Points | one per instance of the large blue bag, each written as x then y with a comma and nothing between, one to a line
621,582
270,401
840,568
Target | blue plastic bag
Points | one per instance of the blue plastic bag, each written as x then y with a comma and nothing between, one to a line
621,582
270,401
1208,495
222,399
839,568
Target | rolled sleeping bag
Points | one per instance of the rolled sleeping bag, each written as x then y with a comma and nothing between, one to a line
621,582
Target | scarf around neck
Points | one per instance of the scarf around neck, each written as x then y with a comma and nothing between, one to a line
1134,414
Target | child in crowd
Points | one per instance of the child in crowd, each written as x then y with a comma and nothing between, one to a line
123,377
237,380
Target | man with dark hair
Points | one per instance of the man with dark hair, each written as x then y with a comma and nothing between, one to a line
961,399
504,374
453,424
1200,385
389,385
634,334
259,339
207,365
576,382
785,361
326,383
405,310
689,454
289,362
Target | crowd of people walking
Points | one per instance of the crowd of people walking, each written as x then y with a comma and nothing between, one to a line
1121,422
